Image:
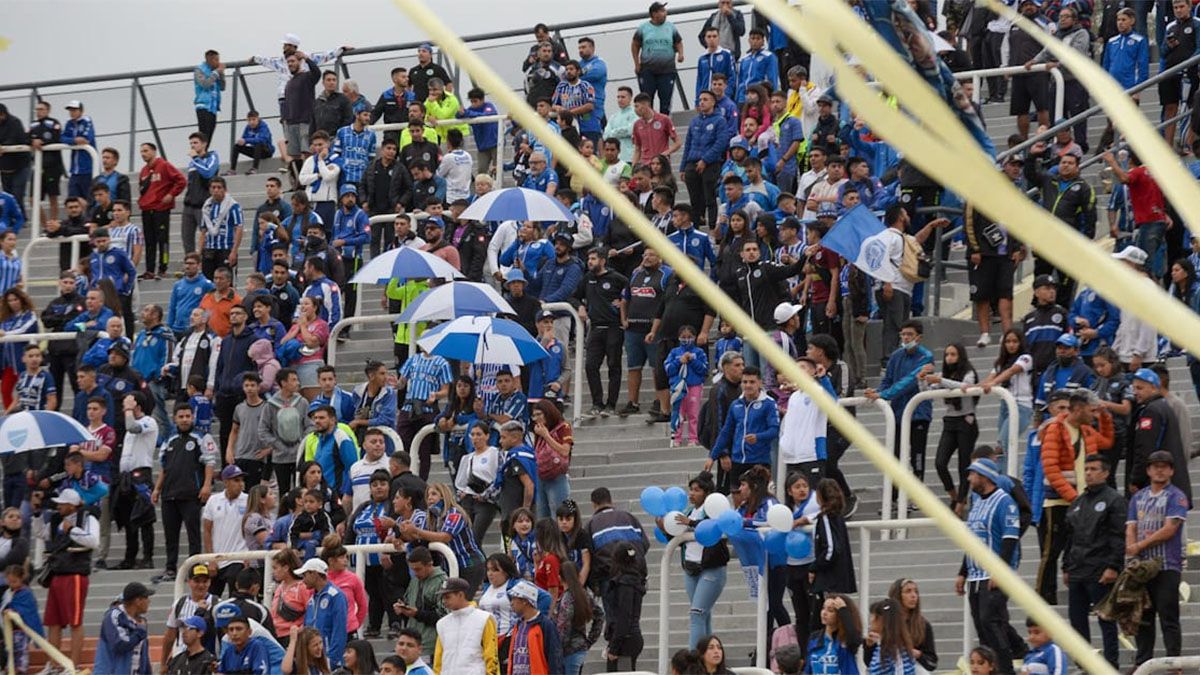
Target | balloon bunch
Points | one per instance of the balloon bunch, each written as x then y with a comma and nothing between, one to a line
722,520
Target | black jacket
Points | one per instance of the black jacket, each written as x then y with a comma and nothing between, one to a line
12,132
1075,205
399,182
419,77
985,236
299,97
233,361
472,250
1155,428
1095,533
331,113
55,316
834,564
623,630
737,21
761,286
123,189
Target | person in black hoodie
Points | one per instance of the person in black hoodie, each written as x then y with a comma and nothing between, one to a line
833,567
68,305
760,286
472,249
385,184
623,596
73,224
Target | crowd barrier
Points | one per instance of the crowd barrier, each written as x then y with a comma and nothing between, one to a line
13,621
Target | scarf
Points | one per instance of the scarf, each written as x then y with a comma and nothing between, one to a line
210,224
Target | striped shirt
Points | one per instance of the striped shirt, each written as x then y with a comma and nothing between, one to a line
364,527
125,237
462,538
795,250
1150,511
33,389
187,607
356,149
360,479
575,95
426,374
11,269
993,519
221,235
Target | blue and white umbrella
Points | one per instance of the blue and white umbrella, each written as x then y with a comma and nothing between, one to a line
517,204
402,264
483,339
450,301
25,431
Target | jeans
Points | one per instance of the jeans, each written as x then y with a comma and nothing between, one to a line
188,225
1149,237
161,415
855,338
958,435
1164,603
15,487
573,663
751,357
918,437
658,84
1082,595
206,120
482,514
551,492
1024,414
703,590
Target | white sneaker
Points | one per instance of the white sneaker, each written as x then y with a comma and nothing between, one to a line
984,340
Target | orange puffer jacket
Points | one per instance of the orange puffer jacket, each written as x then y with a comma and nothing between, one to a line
1058,455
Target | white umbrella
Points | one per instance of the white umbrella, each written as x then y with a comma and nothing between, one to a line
450,301
402,264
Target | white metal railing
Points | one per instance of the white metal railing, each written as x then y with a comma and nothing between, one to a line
497,119
35,218
74,240
976,77
906,428
1184,663
889,440
11,620
37,337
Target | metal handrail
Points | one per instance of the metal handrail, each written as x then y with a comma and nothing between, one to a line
75,240
1049,133
1095,159
36,337
1168,663
11,618
976,77
35,220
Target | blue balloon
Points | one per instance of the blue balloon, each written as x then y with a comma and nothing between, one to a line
708,532
799,544
660,536
730,522
654,501
776,542
676,498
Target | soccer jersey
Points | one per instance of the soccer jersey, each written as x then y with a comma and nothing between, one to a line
33,390
993,519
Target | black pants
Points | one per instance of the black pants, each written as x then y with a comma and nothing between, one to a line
1081,597
283,476
702,191
375,584
207,122
802,605
257,153
223,408
918,436
482,514
989,613
1052,538
997,84
604,343
127,312
728,480
382,235
157,228
176,512
958,435
211,259
812,471
226,578
62,367
1164,603
350,291
408,424
254,470
836,445
777,615
1075,101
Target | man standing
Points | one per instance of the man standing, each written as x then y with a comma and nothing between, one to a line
320,174
895,295
244,448
159,184
222,518
58,316
1150,218
124,644
46,130
1067,371
111,263
374,401
542,76
1155,429
183,485
152,350
424,71
642,304
656,49
70,533
16,167
350,225
331,108
467,640
79,130
601,293
283,426
202,167
534,647
217,302
653,132
993,255
331,447
326,609
578,97
609,529
707,137
194,658
296,108
1180,41
233,360
758,65
1075,96
386,185
1127,58
355,143
620,127
902,376
132,503
1095,550
594,71
759,286
716,58
749,430
208,80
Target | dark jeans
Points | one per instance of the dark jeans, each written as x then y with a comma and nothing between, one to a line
997,84
283,476
777,615
482,514
658,84
702,191
802,605
207,121
836,446
254,470
257,153
226,578
893,313
223,408
211,259
1052,538
15,487
378,605
989,613
1081,597
1075,101
604,343
1164,603
157,228
918,436
408,424
352,265
176,512
958,435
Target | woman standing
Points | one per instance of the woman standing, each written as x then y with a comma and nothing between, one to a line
547,571
456,420
312,334
704,567
833,566
449,524
362,523
475,475
305,653
338,558
552,445
755,500
575,538
624,594
802,500
16,317
920,631
1013,370
258,521
501,573
960,429
578,618
290,597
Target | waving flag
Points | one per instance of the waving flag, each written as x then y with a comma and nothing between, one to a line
862,239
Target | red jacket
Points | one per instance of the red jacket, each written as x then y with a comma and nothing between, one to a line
160,183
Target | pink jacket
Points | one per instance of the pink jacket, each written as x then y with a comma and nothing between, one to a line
264,356
356,597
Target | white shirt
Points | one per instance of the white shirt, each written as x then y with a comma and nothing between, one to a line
895,256
226,519
495,601
505,235
482,465
141,438
799,430
360,479
458,169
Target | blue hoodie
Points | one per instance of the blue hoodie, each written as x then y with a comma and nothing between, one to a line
560,280
1101,315
707,137
546,371
899,383
1127,58
1032,476
759,417
755,67
120,638
11,217
259,135
486,135
113,264
186,295
353,227
254,658
696,369
152,349
81,162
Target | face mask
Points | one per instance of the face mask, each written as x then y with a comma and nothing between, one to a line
908,346
687,342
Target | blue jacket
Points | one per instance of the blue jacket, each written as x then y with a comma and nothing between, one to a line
1127,58
1057,377
260,135
1032,475
322,452
354,228
208,83
79,407
560,280
536,255
1101,314
720,61
152,349
695,245
599,213
90,486
81,162
11,217
97,354
383,408
881,156
899,383
594,71
297,223
326,611
186,295
329,299
120,638
1049,655
760,66
25,604
343,403
696,369
486,135
113,264
545,371
759,417
707,137
254,658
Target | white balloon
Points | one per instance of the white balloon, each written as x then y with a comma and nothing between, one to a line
716,504
779,517
672,526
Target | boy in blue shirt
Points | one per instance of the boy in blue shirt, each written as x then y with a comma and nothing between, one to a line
35,387
748,432
1044,657
20,599
686,367
729,340
202,410
255,143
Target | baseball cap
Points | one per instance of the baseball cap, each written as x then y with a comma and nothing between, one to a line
1147,375
1132,255
986,468
291,39
426,47
313,565
825,98
1067,340
740,143
348,189
514,275
200,570
564,236
119,347
226,612
785,311
545,314
1044,280
135,590
455,585
1160,457
230,472
524,591
195,623
68,496
74,103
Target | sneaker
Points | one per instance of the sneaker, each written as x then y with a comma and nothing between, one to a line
630,408
655,417
655,407
101,564
146,564
167,575
608,410
596,411
852,507
371,634
251,172
126,565
984,340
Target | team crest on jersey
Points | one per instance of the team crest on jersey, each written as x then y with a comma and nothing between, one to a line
197,291
1145,424
657,125
110,259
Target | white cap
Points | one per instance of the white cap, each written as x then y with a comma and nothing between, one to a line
68,496
525,591
291,39
785,311
1131,254
74,104
313,565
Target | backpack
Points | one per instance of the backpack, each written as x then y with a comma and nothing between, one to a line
915,264
289,422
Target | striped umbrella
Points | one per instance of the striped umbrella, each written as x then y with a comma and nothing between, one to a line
517,204
402,264
34,430
483,339
450,301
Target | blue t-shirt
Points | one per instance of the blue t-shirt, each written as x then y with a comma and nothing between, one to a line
34,390
993,519
1150,513
202,411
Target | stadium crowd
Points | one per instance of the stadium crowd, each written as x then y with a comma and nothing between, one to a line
220,416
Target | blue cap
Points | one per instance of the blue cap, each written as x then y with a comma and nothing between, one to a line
986,468
226,612
348,189
1147,375
514,275
740,143
195,623
427,46
1067,340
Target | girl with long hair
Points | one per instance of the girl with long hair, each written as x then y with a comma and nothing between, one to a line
311,334
576,539
704,568
578,618
522,546
754,499
552,445
361,525
305,653
712,655
358,659
347,581
624,594
313,478
731,237
1013,370
548,559
888,645
16,317
476,473
501,573
835,645
1183,283
290,597
960,428
982,661
459,412
449,523
661,174
258,521
802,500
833,565
907,595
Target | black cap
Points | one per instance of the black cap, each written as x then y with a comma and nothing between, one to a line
545,314
135,590
657,6
455,585
1044,280
1160,457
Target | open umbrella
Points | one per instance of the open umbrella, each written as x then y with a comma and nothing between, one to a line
450,301
483,339
402,264
34,430
517,204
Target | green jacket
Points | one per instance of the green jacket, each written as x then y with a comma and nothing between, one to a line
424,596
404,294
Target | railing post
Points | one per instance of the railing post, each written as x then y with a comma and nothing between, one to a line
1059,91
233,119
162,150
500,153
760,620
664,598
35,210
939,271
864,582
133,88
966,624
8,644
246,90
682,95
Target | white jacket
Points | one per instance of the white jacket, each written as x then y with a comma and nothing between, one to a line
802,431
314,169
461,639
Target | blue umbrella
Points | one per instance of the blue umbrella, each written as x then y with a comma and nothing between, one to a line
450,301
517,204
402,264
34,430
483,339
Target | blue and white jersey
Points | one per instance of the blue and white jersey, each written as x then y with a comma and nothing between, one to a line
125,237
720,61
575,95
329,299
425,374
462,538
33,389
356,149
11,269
220,222
993,519
81,161
1049,659
364,527
353,228
695,245
541,182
